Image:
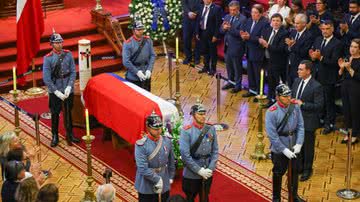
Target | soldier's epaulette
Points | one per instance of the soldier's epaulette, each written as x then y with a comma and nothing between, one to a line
66,50
147,37
141,141
273,108
293,101
128,40
49,54
187,127
210,124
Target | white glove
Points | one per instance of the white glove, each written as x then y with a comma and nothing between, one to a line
158,186
67,91
148,74
60,95
289,153
171,181
141,76
209,171
297,148
205,173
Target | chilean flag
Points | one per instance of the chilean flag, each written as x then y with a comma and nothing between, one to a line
124,106
30,27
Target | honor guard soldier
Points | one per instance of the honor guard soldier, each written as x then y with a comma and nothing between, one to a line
199,152
59,75
138,57
155,162
285,128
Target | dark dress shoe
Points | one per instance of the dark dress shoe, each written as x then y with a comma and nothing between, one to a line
236,90
255,100
344,141
197,62
298,199
186,61
211,73
327,130
227,86
248,94
305,176
54,141
203,70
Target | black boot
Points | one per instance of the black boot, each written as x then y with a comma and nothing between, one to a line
277,188
54,130
70,138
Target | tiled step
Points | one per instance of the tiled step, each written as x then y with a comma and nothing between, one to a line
9,54
96,52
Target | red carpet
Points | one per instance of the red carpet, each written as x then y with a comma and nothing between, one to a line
229,183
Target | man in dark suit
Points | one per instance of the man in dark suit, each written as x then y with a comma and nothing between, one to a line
207,32
251,33
273,40
349,27
325,53
234,46
190,13
299,43
309,96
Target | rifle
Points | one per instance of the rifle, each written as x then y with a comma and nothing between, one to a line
290,181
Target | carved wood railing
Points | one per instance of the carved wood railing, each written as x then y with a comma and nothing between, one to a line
8,7
114,28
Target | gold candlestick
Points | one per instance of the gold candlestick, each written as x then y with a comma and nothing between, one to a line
259,147
177,93
89,191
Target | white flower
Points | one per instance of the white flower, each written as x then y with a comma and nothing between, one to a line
130,5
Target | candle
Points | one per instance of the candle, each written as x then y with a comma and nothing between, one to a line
177,48
87,122
261,82
14,78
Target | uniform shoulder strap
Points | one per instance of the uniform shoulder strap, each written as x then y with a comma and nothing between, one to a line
156,150
286,118
196,145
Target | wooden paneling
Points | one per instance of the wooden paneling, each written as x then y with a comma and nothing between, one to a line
8,7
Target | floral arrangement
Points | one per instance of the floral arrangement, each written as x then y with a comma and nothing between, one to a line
161,18
174,129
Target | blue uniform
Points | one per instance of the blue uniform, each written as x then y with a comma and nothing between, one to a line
280,141
149,172
273,118
206,155
67,72
144,61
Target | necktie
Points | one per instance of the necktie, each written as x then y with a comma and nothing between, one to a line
323,44
202,21
272,37
352,19
232,20
297,36
252,26
298,95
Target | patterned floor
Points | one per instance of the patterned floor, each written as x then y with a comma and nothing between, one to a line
237,143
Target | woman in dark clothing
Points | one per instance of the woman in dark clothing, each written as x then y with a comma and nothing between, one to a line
14,172
350,93
323,11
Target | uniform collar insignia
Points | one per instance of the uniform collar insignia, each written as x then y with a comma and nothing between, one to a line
57,52
281,105
197,125
136,39
152,137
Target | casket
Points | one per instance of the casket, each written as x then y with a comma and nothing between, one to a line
123,107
